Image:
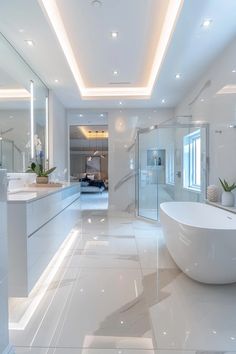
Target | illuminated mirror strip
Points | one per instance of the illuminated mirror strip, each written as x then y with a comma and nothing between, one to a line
32,118
47,132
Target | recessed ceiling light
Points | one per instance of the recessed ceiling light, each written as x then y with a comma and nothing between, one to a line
178,76
163,100
96,3
80,115
120,103
114,34
30,42
115,72
101,115
56,81
21,30
206,23
234,71
11,117
202,100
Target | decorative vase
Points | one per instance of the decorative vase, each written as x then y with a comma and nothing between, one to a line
41,180
212,193
227,199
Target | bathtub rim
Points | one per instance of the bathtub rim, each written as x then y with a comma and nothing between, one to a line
191,225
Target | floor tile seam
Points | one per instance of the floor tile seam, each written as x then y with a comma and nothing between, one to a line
128,349
98,267
63,311
100,253
146,302
53,296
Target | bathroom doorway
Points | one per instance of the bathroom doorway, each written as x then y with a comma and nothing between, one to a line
89,163
172,165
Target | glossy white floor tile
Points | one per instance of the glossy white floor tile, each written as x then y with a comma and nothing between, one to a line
118,291
105,351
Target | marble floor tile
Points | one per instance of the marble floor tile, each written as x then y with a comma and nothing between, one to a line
153,253
92,260
90,309
31,350
189,315
124,245
118,291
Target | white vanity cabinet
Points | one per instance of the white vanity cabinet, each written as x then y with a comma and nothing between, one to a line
37,226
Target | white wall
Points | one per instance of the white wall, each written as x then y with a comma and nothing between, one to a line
4,338
58,136
219,111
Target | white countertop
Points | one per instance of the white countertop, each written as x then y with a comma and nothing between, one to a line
219,205
29,194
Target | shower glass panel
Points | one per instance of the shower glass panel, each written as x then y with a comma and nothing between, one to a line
148,160
11,158
172,163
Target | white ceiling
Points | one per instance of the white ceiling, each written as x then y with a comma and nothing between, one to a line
190,52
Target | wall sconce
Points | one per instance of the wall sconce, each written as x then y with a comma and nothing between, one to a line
32,118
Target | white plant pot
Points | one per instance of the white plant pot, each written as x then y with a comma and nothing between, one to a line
227,199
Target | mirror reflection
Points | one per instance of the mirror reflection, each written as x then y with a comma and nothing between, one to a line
22,112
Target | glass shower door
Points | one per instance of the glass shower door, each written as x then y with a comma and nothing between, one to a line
172,162
6,155
149,164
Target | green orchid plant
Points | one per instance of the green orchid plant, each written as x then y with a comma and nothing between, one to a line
227,187
39,170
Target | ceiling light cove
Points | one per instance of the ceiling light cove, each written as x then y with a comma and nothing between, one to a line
90,134
140,92
14,94
226,90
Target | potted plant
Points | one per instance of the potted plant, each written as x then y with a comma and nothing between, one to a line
227,198
42,174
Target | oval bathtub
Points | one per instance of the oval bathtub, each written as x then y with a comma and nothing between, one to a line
202,240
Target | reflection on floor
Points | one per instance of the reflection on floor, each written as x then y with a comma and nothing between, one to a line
119,292
94,201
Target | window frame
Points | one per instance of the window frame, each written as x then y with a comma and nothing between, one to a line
191,159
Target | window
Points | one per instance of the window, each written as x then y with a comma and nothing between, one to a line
170,165
192,161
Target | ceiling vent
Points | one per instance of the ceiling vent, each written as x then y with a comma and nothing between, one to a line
120,83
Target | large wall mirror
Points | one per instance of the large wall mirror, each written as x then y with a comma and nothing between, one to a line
23,112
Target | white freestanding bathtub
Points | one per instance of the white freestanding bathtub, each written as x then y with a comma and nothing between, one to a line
202,240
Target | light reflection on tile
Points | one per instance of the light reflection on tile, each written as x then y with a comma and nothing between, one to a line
110,351
119,292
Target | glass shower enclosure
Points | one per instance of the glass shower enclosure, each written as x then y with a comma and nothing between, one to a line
11,157
172,162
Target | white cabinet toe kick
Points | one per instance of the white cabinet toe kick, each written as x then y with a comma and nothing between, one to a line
38,223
